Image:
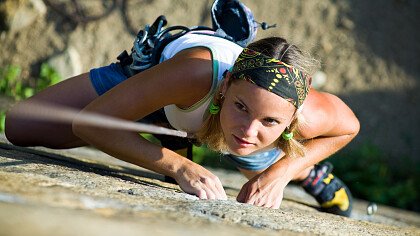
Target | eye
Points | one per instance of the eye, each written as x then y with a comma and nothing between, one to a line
271,122
239,106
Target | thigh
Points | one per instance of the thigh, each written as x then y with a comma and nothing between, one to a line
24,130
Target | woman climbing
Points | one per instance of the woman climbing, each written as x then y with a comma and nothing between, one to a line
253,104
262,114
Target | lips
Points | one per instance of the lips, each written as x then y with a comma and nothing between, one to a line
242,142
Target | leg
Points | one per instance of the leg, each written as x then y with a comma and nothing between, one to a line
329,191
21,130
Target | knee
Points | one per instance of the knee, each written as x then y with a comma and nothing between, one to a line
17,128
13,129
23,131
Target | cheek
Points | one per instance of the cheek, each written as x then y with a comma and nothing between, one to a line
227,116
270,135
224,119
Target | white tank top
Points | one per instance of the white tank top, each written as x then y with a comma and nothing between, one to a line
224,54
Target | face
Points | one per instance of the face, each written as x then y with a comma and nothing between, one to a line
253,118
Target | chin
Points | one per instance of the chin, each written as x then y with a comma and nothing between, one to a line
235,149
240,151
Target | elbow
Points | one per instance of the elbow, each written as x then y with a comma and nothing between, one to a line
16,127
88,127
79,127
11,129
76,127
354,128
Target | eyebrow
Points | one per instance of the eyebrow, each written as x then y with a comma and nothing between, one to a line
270,117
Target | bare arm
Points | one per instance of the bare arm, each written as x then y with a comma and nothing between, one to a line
166,83
329,125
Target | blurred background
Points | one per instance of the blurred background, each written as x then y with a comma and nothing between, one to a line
369,51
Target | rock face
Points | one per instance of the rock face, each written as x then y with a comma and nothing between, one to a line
19,14
85,192
369,56
369,59
67,64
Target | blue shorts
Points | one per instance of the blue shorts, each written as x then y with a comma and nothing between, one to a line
254,162
105,78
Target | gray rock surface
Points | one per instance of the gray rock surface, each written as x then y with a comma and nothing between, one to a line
67,64
23,13
86,192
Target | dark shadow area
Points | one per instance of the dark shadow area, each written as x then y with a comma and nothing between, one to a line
13,163
78,12
390,30
382,163
61,23
124,7
133,27
389,120
23,155
67,16
35,67
3,24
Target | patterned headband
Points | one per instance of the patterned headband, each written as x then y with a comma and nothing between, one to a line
273,75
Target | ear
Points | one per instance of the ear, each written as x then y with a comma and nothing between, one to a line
225,83
309,81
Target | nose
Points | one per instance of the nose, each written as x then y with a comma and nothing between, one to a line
250,128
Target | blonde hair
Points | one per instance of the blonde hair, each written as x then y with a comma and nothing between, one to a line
292,147
211,132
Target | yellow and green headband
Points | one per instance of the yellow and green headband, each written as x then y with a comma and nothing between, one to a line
273,75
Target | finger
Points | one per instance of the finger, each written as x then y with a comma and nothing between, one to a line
252,196
209,192
277,204
268,204
250,199
242,194
261,200
220,190
275,207
209,185
201,193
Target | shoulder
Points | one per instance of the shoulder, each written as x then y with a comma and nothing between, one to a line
318,114
219,47
326,115
199,52
188,74
183,80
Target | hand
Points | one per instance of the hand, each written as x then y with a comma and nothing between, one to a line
265,189
195,179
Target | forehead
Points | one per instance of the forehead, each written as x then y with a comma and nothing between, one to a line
260,100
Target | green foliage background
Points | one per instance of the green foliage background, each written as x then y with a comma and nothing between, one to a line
369,176
11,84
